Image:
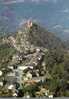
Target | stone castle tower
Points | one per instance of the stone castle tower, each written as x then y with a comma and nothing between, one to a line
29,23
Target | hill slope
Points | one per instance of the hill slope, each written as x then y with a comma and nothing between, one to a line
37,36
25,59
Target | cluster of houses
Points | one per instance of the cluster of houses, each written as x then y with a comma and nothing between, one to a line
28,73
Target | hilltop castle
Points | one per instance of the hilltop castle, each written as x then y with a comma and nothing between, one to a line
29,23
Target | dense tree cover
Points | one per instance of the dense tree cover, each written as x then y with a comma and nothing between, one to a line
29,89
41,37
6,53
57,64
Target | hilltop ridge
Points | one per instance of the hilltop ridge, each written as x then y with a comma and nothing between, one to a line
32,34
